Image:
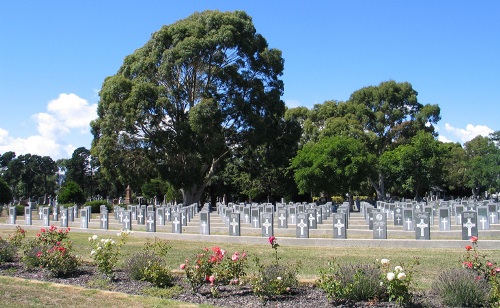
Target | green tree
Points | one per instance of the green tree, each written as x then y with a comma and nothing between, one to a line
454,166
71,193
390,115
482,163
199,89
333,165
414,167
5,193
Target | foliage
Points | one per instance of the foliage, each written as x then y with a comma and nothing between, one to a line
17,239
159,189
483,161
397,282
351,282
332,165
105,252
50,250
414,167
476,262
7,251
149,264
198,90
71,192
96,205
5,192
462,288
217,267
273,279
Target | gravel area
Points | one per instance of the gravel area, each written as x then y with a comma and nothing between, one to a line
305,296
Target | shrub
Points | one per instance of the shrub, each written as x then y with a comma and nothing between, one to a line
49,251
148,265
7,251
273,279
96,205
351,282
105,252
462,288
217,268
71,192
397,282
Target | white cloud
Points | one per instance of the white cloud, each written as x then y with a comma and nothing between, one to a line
444,139
469,133
292,103
65,115
73,111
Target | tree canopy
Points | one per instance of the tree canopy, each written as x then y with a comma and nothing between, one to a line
201,88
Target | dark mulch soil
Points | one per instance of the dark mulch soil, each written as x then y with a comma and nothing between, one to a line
305,296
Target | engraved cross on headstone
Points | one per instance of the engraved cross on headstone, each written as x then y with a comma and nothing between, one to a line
469,225
234,224
339,225
301,225
422,225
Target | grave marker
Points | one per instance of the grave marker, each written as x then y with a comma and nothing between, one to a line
160,213
234,224
380,226
104,219
339,225
84,222
176,222
444,219
398,216
12,215
469,224
127,220
422,226
302,226
151,221
282,218
205,222
141,215
483,218
46,216
408,220
28,219
64,217
267,224
311,217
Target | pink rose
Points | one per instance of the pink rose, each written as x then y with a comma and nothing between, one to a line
234,257
183,266
473,239
211,279
272,239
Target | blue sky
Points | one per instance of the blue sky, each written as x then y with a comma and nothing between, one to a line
54,56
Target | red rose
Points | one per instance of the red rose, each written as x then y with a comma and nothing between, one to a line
473,239
468,247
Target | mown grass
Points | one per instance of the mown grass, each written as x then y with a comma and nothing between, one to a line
19,293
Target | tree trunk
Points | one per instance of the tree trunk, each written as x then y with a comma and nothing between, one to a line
379,188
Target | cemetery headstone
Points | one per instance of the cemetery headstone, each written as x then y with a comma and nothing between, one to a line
104,219
408,220
64,217
71,215
493,210
205,222
483,218
267,224
469,224
339,225
292,213
311,217
234,224
127,220
379,226
84,222
28,218
12,215
282,218
160,214
398,216
422,226
255,217
302,226
141,216
458,210
46,216
176,222
444,219
151,221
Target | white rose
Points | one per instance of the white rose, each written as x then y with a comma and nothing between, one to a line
384,261
94,237
92,252
390,276
401,276
398,269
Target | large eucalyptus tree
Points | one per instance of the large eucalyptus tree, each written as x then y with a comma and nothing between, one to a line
197,91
